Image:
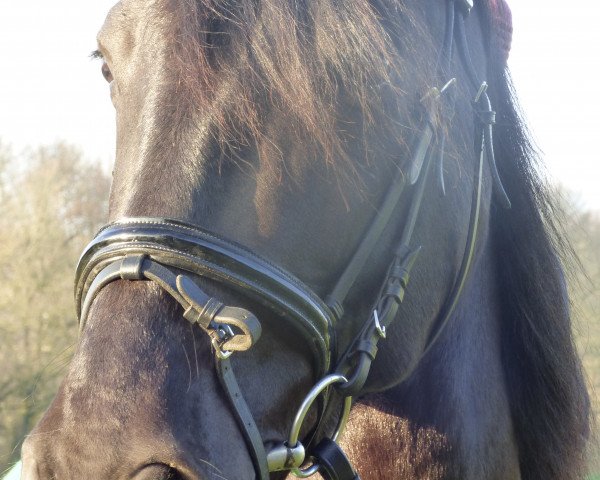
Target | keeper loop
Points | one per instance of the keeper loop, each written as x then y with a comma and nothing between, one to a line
131,267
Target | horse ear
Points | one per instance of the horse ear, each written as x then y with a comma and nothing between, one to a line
501,28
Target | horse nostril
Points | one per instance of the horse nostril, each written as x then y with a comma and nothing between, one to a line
158,472
172,474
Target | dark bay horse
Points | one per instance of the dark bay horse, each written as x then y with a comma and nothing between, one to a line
282,125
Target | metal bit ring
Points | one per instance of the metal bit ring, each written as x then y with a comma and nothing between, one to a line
301,415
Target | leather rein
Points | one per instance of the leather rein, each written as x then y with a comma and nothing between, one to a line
171,254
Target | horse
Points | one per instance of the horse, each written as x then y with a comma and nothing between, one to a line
320,214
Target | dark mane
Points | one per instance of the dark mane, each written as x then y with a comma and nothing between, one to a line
305,57
550,406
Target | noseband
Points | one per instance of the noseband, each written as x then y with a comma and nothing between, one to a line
168,251
172,254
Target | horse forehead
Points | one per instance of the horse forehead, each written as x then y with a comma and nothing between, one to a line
126,21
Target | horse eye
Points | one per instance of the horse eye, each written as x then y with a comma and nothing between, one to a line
106,73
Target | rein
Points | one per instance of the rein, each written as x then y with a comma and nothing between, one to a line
171,254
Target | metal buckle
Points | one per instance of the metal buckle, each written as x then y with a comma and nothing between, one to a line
467,5
222,334
301,415
434,93
315,466
307,403
378,327
449,83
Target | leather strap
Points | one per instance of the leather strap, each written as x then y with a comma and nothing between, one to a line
333,463
199,308
358,357
244,418
483,109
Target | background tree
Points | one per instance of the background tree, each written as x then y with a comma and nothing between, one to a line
583,230
51,204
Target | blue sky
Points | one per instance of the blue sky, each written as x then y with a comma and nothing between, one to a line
50,90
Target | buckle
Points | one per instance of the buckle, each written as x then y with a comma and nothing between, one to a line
378,327
467,5
222,333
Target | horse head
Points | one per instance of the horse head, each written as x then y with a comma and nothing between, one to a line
257,138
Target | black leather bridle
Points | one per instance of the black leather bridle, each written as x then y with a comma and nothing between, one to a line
172,254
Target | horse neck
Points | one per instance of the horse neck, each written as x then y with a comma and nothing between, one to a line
462,374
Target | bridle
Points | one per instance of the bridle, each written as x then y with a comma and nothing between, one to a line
171,254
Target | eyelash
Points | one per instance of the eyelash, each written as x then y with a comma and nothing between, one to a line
106,73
